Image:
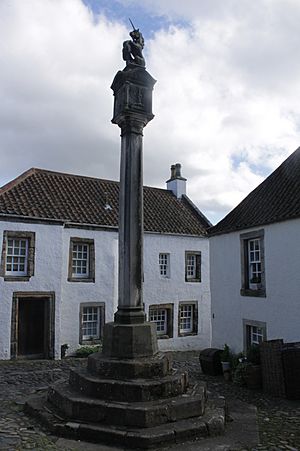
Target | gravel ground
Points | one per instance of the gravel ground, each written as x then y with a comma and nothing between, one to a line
278,419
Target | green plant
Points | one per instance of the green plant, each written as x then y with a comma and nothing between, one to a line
85,351
226,355
236,359
239,374
253,355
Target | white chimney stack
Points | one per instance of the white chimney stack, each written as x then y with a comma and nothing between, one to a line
176,183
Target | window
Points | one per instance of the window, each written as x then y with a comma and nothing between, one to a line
91,322
252,257
255,332
17,263
187,318
192,266
81,260
164,265
162,315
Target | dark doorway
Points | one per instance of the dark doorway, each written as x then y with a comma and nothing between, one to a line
33,327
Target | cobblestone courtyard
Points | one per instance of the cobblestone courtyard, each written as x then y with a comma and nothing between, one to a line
278,419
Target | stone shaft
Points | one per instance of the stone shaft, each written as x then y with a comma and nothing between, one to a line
130,303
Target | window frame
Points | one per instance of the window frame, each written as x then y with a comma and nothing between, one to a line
101,321
167,265
197,276
170,318
90,277
247,325
248,288
18,276
194,328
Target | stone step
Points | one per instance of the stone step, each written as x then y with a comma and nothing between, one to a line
128,390
211,424
159,365
134,414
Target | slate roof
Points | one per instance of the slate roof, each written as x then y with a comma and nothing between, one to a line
41,194
276,199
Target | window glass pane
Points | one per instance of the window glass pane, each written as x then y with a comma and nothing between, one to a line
16,256
186,318
164,269
159,316
90,323
80,260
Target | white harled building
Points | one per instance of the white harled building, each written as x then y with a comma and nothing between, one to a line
59,264
255,264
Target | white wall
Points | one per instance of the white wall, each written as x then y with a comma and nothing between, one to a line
47,277
51,274
103,290
158,290
280,309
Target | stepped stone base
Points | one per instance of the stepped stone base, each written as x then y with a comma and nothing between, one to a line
135,402
210,424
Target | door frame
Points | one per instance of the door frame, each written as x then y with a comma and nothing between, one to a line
50,295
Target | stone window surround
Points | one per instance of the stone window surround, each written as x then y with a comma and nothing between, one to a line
195,318
91,275
250,322
244,239
170,318
101,306
18,234
198,266
14,319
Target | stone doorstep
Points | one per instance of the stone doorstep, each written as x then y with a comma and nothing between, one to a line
159,365
137,414
211,424
127,390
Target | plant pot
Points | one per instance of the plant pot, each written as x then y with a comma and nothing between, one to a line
226,368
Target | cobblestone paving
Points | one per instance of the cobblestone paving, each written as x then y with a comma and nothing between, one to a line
279,419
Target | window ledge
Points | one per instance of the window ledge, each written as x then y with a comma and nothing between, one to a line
95,341
16,278
260,293
163,337
187,334
193,280
83,279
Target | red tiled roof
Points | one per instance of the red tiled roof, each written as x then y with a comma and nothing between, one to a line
47,195
276,199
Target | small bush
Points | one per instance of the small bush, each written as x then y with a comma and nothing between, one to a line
253,354
226,354
85,351
239,374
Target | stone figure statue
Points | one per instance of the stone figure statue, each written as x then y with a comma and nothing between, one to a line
132,50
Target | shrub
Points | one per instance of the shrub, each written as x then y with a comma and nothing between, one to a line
226,355
85,351
253,355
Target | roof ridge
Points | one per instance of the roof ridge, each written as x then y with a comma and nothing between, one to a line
69,174
35,170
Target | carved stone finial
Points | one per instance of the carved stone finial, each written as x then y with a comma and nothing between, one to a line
132,50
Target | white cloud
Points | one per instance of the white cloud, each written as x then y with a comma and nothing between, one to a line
225,100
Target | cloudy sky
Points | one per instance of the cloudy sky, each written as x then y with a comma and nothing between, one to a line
226,101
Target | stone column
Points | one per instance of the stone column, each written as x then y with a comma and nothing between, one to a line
130,302
132,111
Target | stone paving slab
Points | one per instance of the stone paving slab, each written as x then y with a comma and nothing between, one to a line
278,419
